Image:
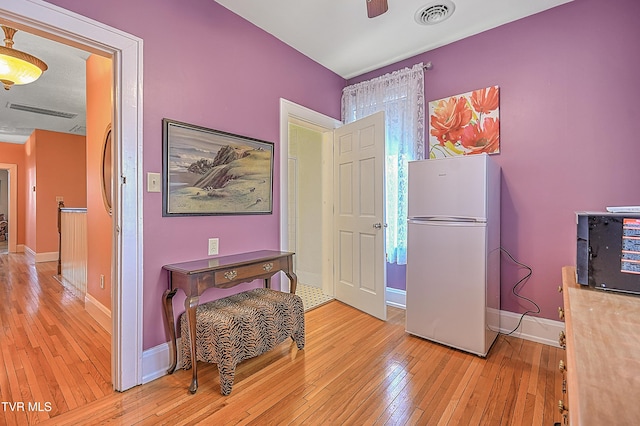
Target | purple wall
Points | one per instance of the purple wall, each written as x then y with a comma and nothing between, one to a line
569,123
568,81
205,65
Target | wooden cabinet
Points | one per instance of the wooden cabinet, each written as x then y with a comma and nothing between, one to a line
602,332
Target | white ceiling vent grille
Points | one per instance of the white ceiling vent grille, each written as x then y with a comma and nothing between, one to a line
434,13
43,111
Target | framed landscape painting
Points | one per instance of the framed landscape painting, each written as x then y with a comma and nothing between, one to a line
210,172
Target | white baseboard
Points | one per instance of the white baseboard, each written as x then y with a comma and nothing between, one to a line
396,298
98,312
536,329
47,257
40,257
155,361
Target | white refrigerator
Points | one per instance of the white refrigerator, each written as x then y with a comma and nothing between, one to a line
453,252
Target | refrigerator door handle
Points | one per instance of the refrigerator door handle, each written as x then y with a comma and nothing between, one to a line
445,219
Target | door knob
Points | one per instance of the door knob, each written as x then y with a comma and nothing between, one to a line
377,225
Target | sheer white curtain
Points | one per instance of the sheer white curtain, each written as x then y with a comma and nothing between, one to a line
401,96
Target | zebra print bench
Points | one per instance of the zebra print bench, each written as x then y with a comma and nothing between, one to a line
242,326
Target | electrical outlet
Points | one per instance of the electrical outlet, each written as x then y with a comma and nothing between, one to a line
213,246
101,281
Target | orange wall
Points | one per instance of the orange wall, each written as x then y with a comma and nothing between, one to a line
60,171
99,221
12,153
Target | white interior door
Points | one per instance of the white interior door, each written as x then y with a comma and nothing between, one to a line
359,222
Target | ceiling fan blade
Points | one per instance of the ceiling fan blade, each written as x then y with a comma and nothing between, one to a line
376,7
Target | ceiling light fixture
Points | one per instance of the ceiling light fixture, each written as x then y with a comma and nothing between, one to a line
17,67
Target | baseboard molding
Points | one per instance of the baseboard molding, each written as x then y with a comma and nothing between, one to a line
396,298
47,257
536,329
155,362
98,312
40,257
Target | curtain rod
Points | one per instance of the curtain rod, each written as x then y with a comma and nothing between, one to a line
428,66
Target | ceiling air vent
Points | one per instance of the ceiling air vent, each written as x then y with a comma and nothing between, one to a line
434,13
43,111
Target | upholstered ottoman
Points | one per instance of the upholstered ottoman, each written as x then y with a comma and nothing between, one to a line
242,326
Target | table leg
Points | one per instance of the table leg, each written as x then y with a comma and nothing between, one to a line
291,275
190,305
267,282
167,298
294,281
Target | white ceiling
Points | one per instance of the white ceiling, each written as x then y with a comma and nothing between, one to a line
60,88
339,35
335,33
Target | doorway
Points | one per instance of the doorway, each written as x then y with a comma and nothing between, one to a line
8,192
305,133
305,204
55,23
368,288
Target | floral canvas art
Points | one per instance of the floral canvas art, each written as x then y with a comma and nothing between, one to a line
465,124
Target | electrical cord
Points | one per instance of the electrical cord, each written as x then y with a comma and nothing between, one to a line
515,290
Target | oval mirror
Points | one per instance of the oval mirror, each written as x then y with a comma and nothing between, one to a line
107,180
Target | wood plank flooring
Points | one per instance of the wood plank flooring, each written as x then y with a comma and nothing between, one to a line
354,370
53,356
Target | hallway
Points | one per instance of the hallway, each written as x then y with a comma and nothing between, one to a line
53,356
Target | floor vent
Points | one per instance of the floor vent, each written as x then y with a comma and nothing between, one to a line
43,111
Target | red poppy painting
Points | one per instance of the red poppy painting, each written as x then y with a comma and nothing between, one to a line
465,124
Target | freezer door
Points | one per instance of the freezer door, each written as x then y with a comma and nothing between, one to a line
449,187
446,284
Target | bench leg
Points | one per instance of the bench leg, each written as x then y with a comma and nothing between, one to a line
227,375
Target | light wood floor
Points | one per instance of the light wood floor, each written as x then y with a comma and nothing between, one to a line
53,355
354,370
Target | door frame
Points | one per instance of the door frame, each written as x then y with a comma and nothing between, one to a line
12,198
291,112
53,22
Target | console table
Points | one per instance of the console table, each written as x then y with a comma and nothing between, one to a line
196,276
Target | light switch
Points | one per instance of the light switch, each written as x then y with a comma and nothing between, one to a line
153,182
